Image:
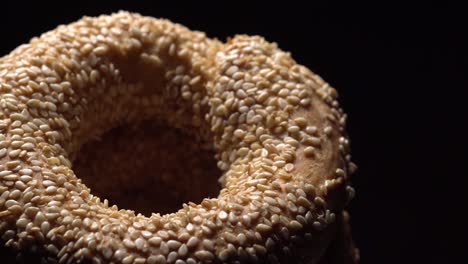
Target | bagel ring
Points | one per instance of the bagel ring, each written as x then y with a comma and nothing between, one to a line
276,128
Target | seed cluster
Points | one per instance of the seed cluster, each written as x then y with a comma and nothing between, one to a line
276,128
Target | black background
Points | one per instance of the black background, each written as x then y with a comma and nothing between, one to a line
401,73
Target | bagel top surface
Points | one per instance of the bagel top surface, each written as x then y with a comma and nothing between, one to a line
276,128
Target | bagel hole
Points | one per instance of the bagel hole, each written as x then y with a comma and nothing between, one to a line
148,168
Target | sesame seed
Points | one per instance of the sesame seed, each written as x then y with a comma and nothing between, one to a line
155,241
262,228
309,151
173,244
204,255
327,130
231,70
192,242
159,259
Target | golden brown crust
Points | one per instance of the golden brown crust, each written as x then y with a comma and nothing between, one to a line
276,128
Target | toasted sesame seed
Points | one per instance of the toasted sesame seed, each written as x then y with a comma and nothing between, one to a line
156,241
309,151
262,228
173,244
192,242
231,70
159,259
340,172
3,152
311,130
172,257
204,255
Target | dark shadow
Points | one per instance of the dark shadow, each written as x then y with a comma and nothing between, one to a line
148,168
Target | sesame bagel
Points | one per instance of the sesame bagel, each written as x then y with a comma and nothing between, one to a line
276,131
